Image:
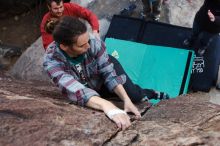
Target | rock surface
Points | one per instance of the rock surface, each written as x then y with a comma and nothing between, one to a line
181,12
188,120
30,65
36,114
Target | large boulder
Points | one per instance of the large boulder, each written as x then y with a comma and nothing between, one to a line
36,114
30,65
180,12
185,121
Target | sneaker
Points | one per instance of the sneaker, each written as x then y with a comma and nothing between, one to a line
151,94
201,52
156,18
142,15
145,99
162,95
188,42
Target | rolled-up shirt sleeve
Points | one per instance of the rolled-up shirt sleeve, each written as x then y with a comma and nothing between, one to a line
106,69
73,89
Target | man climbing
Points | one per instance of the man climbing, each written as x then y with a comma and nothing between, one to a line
57,9
80,66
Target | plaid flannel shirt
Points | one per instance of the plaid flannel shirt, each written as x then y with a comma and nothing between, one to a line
96,67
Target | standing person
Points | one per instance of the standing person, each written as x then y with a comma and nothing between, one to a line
152,8
80,66
57,9
206,23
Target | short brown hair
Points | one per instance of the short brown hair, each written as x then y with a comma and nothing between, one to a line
56,1
68,29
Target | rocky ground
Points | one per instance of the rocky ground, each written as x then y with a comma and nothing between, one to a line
21,28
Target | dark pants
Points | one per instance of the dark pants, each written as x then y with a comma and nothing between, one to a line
214,44
135,92
205,38
196,29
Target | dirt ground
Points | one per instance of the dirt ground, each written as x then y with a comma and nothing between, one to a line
21,30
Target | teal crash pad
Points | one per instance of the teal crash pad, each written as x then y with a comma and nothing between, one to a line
155,67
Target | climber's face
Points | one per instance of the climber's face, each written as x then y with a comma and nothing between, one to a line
56,9
80,47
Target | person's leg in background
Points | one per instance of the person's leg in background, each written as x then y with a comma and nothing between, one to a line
146,8
196,29
215,44
206,39
156,9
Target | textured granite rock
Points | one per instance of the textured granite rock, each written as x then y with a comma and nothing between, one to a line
30,65
188,120
36,114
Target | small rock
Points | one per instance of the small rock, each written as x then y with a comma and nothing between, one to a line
4,28
24,37
16,18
